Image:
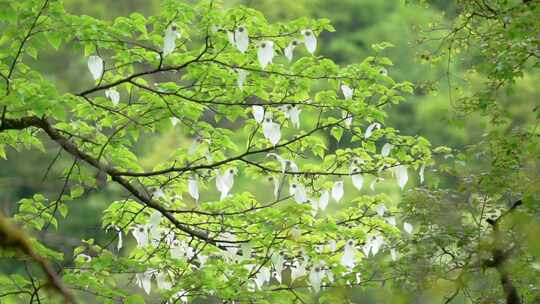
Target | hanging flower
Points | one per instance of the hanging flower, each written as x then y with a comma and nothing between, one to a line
262,277
140,233
241,78
265,53
299,193
298,270
290,48
401,175
391,220
158,194
408,227
174,121
169,42
144,280
394,254
315,278
381,209
275,182
348,119
421,173
370,129
385,151
337,191
357,178
347,91
294,115
271,131
113,95
323,199
120,240
309,40
95,65
349,254
193,188
224,182
241,38
258,113
163,280
277,261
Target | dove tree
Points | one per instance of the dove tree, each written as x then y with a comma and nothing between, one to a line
250,115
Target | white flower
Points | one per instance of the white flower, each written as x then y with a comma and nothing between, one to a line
299,192
163,280
294,115
401,175
193,188
370,128
391,220
158,194
337,191
421,173
174,121
271,131
265,54
169,42
277,261
315,278
381,209
347,91
297,270
323,200
258,113
120,240
275,182
290,48
262,277
155,219
95,65
332,245
357,179
224,182
144,280
349,254
140,233
113,95
385,151
348,119
241,38
394,254
242,74
284,163
376,244
408,227
309,40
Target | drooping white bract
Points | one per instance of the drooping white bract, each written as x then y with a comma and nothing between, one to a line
163,280
258,113
169,42
332,245
120,239
277,261
155,219
357,178
241,38
391,220
407,227
224,182
298,270
298,191
381,209
323,200
193,188
309,40
348,118
349,254
113,95
370,129
158,194
394,254
246,251
276,183
347,91
376,244
265,54
144,280
174,121
294,115
241,78
290,49
385,151
271,131
401,175
262,277
140,233
315,277
421,173
337,191
95,65
283,162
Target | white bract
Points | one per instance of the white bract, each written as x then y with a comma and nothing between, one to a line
421,173
357,178
140,233
391,220
370,129
293,113
113,95
290,48
258,113
144,280
298,270
323,200
381,209
347,91
95,65
271,131
337,191
169,42
262,277
401,175
241,38
408,227
385,151
174,121
241,78
315,278
193,188
163,280
298,191
265,54
224,182
394,254
309,40
349,254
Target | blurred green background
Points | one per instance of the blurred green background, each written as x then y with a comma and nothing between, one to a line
358,23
